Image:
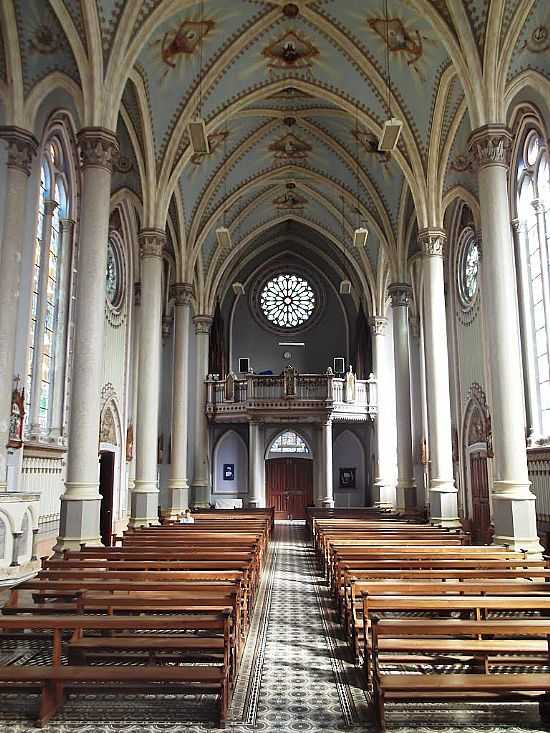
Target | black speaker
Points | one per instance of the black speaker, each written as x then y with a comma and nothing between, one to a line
244,365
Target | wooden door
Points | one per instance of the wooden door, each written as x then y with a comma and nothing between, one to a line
289,484
106,480
481,510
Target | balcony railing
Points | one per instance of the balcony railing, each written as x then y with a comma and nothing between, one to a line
293,391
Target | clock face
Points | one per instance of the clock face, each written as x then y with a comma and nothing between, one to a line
287,355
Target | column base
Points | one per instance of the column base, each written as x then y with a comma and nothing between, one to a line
144,505
327,503
383,495
514,517
444,504
179,499
78,522
405,497
255,504
201,495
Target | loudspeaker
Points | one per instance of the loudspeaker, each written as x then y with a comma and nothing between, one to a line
339,366
244,365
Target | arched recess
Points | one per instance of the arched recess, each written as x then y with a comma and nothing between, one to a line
24,548
5,540
110,467
230,465
477,449
349,475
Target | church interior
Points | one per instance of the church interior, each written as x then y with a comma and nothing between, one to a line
274,365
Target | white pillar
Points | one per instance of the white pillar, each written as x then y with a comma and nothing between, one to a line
256,465
80,504
22,147
201,478
145,494
513,503
317,467
327,488
178,484
443,492
135,391
406,490
383,491
61,355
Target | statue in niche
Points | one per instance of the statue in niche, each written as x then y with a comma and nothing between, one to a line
350,385
230,387
107,430
17,415
130,442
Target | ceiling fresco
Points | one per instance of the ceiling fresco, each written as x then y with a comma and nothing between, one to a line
293,95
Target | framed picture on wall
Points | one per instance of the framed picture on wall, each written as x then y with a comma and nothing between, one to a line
228,471
347,478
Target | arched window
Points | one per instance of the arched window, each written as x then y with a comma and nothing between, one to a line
50,268
533,226
289,442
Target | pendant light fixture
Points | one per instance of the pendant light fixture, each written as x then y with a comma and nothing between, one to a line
361,232
392,126
223,235
197,127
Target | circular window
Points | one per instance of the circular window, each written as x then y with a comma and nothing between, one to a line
112,276
532,148
287,300
469,272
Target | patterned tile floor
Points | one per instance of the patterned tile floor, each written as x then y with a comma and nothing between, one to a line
296,675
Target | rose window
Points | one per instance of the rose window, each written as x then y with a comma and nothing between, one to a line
287,301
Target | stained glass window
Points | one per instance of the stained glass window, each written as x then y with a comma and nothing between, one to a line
470,270
533,213
112,275
289,442
287,300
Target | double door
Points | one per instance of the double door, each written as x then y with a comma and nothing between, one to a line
289,486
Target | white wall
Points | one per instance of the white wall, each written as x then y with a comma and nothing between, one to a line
349,452
230,448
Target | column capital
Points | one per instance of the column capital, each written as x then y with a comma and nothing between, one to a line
182,293
490,145
432,242
166,326
151,242
378,325
538,206
400,294
67,225
202,323
137,293
516,225
98,148
22,147
50,206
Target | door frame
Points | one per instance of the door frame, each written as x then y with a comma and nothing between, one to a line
291,457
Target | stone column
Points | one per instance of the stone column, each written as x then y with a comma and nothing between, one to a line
383,490
35,429
61,355
400,294
443,492
201,478
15,549
22,147
513,503
256,465
327,483
135,390
145,495
177,483
80,504
34,549
317,467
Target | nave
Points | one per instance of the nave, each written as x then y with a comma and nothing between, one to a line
296,671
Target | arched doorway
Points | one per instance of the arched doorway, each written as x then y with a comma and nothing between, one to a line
289,476
477,430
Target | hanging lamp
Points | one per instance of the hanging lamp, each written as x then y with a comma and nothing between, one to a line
392,126
197,127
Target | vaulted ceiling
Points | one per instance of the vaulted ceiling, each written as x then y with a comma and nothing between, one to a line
294,96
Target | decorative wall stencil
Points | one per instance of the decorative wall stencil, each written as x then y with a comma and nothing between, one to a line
369,143
45,40
176,44
214,140
400,40
290,147
290,51
290,93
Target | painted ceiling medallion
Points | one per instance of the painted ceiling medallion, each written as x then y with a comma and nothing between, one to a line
290,51
539,41
45,40
369,143
182,41
214,141
399,39
290,147
291,10
290,200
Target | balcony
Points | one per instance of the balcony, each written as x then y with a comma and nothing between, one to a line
291,396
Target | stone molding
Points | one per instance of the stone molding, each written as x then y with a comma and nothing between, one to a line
432,242
400,294
22,147
490,145
182,293
67,225
378,325
50,206
202,323
151,242
98,148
